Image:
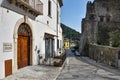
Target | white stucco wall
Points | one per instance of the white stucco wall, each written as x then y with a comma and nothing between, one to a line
7,23
39,26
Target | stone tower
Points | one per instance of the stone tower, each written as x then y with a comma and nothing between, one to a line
102,17
89,23
100,13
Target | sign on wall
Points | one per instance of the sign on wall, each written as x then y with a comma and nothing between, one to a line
7,47
67,45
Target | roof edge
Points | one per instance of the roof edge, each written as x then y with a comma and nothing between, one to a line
60,3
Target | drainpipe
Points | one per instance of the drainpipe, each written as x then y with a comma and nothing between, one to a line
57,25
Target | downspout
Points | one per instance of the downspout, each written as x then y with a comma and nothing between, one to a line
57,26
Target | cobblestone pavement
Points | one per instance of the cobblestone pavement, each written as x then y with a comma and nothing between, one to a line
35,73
79,69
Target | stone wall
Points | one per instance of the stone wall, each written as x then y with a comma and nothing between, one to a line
104,54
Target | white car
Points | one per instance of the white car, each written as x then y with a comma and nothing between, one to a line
77,53
72,49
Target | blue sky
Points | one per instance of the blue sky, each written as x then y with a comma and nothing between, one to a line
72,13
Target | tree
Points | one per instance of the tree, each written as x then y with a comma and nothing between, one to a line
115,38
70,33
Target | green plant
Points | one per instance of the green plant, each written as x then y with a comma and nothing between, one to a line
103,36
115,38
45,59
58,64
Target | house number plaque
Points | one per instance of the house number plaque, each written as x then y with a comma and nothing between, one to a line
7,47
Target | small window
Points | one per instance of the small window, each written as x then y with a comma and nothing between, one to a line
108,19
101,18
92,17
49,8
108,9
57,43
57,17
118,54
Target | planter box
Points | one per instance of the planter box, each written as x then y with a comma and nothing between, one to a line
59,60
58,64
58,57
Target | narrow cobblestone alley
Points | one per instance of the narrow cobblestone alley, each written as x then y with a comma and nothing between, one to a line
79,69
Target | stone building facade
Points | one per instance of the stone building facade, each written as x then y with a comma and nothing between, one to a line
102,17
28,28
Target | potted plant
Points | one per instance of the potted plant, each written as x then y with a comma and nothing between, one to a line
59,56
57,64
45,60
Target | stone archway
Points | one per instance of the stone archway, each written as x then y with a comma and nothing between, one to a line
24,41
15,36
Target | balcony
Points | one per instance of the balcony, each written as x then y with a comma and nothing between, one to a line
30,8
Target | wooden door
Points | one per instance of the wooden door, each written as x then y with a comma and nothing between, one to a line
23,51
8,67
24,46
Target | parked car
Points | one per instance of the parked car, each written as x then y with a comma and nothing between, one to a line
77,53
72,49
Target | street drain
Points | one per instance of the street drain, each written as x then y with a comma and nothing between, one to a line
75,76
37,70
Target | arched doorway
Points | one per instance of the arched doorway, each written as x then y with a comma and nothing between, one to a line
24,56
